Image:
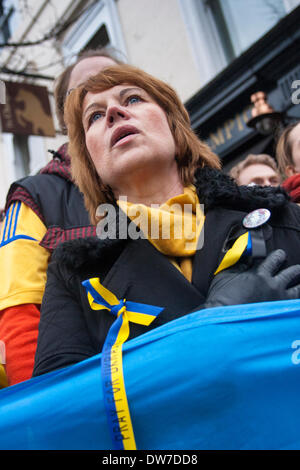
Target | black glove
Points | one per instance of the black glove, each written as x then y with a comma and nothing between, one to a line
259,283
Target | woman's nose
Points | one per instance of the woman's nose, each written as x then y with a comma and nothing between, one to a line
115,113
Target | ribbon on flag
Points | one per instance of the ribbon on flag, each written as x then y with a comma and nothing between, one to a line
115,398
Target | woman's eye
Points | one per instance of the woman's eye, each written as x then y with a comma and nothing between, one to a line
95,116
133,99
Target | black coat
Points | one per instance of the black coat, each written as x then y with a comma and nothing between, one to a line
56,200
70,331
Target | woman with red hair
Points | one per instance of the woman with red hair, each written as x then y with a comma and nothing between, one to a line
139,165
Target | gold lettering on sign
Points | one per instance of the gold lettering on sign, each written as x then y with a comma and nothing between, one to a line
230,128
239,122
217,138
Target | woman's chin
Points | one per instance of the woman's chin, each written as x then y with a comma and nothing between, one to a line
134,161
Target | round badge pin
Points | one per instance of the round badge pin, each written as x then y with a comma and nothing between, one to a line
256,218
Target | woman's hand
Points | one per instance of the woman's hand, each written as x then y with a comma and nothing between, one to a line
260,283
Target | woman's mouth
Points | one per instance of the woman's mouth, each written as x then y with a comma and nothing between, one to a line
122,134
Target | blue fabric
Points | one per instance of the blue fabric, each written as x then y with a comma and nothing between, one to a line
223,378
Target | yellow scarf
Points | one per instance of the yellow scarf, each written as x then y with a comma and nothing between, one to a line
173,228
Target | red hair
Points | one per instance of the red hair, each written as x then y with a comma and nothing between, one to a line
192,153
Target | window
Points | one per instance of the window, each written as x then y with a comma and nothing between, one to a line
220,30
98,26
100,39
22,158
241,23
7,11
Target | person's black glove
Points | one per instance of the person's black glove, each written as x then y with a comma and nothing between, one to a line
260,283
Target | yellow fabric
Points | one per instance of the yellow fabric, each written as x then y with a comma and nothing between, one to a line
186,267
23,261
3,377
173,228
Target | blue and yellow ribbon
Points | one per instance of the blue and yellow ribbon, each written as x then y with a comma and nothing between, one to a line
115,398
242,246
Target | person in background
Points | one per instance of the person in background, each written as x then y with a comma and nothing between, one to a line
258,169
41,211
135,156
288,158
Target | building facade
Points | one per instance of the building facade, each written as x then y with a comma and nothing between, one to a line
215,53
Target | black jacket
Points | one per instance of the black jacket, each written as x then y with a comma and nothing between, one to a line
70,331
56,200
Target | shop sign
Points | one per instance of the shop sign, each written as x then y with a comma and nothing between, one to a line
26,110
230,131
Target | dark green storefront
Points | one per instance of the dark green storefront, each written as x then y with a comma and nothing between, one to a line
221,110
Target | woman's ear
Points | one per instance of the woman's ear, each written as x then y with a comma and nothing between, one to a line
289,171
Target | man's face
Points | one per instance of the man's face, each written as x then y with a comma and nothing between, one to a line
260,174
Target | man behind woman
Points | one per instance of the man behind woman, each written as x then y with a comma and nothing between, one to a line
47,209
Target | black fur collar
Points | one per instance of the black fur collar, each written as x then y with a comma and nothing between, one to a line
214,188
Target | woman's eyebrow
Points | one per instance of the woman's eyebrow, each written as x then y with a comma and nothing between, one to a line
126,90
89,108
